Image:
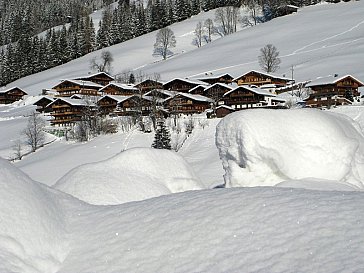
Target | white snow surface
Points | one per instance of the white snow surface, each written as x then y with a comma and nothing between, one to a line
133,175
266,147
32,225
263,229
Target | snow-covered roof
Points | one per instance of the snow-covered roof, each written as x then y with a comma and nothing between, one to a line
96,74
196,87
331,79
168,93
80,83
254,90
125,86
195,97
12,88
212,77
225,106
263,73
118,99
220,84
188,81
51,99
73,102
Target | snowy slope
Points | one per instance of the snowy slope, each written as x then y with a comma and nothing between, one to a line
317,41
221,230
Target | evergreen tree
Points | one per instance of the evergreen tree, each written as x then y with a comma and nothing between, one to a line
162,139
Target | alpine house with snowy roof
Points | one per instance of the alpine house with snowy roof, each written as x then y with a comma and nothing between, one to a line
101,78
67,111
244,97
119,89
259,78
11,95
184,103
333,90
67,88
182,85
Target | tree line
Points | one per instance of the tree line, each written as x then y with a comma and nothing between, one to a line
24,54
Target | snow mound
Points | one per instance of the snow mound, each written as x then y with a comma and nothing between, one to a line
266,147
135,174
316,184
261,229
31,225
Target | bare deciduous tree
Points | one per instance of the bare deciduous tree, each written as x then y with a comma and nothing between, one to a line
165,39
35,131
104,65
227,18
199,34
210,29
17,148
268,58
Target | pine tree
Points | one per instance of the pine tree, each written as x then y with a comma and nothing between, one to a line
162,139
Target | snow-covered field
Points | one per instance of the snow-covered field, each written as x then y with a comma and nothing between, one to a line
302,211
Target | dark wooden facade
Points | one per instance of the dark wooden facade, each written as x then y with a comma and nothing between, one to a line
188,104
67,111
132,106
181,85
148,85
109,103
333,91
198,90
119,89
101,78
260,78
216,91
223,110
244,97
67,88
43,104
11,95
223,78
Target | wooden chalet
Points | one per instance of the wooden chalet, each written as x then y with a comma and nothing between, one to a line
132,106
11,95
161,94
244,97
67,88
42,104
109,103
148,85
223,110
182,85
184,103
66,111
222,78
101,78
333,90
198,90
217,91
258,78
119,89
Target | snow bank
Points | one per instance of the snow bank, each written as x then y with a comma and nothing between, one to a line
132,175
32,230
260,229
265,147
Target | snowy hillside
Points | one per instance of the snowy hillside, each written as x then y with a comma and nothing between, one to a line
318,41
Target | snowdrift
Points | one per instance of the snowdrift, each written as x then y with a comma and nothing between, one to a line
132,175
261,229
266,147
32,228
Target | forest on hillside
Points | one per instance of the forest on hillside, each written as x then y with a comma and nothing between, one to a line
24,53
